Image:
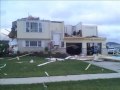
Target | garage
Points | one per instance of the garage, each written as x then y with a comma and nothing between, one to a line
74,48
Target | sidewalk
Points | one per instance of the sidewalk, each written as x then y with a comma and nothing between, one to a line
33,80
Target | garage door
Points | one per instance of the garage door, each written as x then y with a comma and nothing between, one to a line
74,48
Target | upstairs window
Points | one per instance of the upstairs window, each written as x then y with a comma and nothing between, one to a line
33,27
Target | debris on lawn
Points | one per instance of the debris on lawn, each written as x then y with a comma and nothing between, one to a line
55,59
51,59
31,61
68,57
5,74
79,57
12,58
19,62
47,73
3,66
102,69
60,59
1,58
87,66
45,63
45,86
18,58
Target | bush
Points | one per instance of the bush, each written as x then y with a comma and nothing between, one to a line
46,49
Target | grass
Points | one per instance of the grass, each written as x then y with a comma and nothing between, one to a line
100,84
26,69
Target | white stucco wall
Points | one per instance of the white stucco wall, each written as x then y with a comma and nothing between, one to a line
47,28
78,26
68,29
23,48
21,31
89,30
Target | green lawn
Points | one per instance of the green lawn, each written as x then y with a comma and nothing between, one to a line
105,84
27,69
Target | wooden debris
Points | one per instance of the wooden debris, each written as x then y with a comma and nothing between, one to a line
88,67
46,73
3,66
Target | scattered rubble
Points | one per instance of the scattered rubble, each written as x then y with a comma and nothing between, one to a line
88,67
31,61
3,66
45,63
45,86
18,58
5,74
19,62
47,73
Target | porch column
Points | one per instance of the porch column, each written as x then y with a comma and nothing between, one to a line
84,46
104,49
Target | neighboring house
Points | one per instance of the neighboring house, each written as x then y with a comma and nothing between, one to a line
34,34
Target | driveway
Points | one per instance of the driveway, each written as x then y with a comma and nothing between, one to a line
115,66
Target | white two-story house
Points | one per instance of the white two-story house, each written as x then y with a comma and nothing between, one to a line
34,34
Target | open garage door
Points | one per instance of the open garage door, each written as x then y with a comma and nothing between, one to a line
74,48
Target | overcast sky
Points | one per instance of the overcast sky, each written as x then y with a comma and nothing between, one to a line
104,14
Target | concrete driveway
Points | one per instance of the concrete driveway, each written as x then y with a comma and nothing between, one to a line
115,66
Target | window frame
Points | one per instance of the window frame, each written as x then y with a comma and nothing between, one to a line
31,28
28,43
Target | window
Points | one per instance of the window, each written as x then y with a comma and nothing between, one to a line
33,43
39,43
27,26
33,27
27,44
27,29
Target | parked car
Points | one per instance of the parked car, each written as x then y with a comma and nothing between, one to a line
112,50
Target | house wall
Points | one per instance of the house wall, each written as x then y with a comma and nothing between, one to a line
23,48
47,28
78,26
89,30
57,27
68,29
21,31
